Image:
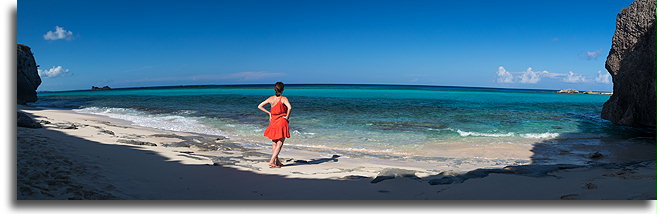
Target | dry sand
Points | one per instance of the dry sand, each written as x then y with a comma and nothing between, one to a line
80,156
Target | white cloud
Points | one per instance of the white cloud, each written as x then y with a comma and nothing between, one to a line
530,76
53,72
504,76
592,54
551,75
60,33
574,78
603,77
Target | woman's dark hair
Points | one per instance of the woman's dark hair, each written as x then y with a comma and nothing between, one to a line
279,87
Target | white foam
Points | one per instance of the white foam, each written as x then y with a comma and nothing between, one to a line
546,135
540,135
477,134
297,133
159,121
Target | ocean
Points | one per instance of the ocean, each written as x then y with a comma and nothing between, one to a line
378,120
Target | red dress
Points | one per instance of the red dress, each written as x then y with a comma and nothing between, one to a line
278,125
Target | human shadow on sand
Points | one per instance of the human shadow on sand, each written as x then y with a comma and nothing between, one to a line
333,158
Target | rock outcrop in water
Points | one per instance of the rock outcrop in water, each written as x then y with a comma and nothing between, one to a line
94,88
631,63
569,91
595,92
28,77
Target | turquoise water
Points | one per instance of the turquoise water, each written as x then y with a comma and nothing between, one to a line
355,117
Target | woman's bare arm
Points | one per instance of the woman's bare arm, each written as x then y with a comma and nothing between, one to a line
289,107
262,107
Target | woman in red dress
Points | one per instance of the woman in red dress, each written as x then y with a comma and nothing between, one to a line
278,122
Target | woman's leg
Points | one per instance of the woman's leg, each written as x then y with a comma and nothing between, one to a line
280,147
277,150
273,150
273,146
278,162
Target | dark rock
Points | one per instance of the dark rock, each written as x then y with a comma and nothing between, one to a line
185,144
254,154
525,170
94,88
631,63
169,136
596,92
136,142
27,78
381,178
595,155
107,132
392,173
203,143
26,121
66,126
569,197
538,170
44,121
222,161
443,180
569,91
205,147
590,186
354,177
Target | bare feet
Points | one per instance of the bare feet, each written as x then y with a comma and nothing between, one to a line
272,165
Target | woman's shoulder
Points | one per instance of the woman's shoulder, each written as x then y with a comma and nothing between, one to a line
269,99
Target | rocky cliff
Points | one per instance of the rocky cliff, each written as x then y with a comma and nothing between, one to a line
631,63
28,77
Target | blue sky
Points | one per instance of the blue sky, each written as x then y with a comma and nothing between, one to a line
511,44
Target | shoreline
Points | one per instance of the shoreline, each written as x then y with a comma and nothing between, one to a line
208,164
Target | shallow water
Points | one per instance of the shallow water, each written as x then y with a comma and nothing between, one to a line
373,119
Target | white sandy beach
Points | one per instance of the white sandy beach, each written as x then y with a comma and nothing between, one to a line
81,156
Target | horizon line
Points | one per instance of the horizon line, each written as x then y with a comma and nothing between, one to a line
298,84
